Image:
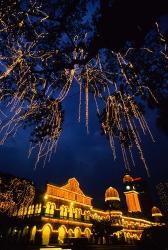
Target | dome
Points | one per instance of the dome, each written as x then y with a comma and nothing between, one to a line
156,212
111,194
127,178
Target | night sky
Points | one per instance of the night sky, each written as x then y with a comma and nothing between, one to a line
86,157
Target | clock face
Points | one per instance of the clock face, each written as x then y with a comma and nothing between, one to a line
128,187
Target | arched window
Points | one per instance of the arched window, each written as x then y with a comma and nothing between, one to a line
62,211
77,232
29,210
46,232
39,209
95,216
9,231
79,213
86,215
71,210
76,213
25,211
36,208
25,233
62,231
87,233
70,233
65,211
15,213
32,210
47,210
21,211
33,234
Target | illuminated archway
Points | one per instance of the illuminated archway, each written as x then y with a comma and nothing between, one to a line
88,215
25,211
61,234
79,213
25,232
33,234
46,231
77,232
76,213
87,233
9,231
70,233
62,211
65,211
52,208
19,234
47,210
32,209
14,232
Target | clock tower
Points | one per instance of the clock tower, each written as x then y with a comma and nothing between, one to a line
131,195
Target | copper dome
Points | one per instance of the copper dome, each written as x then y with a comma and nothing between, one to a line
127,178
156,211
111,194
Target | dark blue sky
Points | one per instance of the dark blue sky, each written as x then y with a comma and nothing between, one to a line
86,157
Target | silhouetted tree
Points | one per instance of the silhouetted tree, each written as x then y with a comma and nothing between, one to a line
111,49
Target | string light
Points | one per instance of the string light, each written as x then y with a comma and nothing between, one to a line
37,79
14,194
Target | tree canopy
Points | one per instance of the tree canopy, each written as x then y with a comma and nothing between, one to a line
16,194
114,51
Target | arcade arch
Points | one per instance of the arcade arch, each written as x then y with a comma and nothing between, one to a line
46,232
77,232
61,234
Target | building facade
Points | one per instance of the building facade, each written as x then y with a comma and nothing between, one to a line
66,212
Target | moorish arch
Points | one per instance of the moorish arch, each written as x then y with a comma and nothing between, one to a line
62,231
62,210
65,214
76,213
77,232
25,231
19,234
9,231
86,215
46,232
70,233
14,234
71,212
52,208
87,233
33,234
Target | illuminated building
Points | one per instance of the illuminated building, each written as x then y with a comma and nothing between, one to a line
66,212
162,192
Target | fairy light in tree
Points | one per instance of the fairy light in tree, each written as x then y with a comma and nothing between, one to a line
36,78
15,193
